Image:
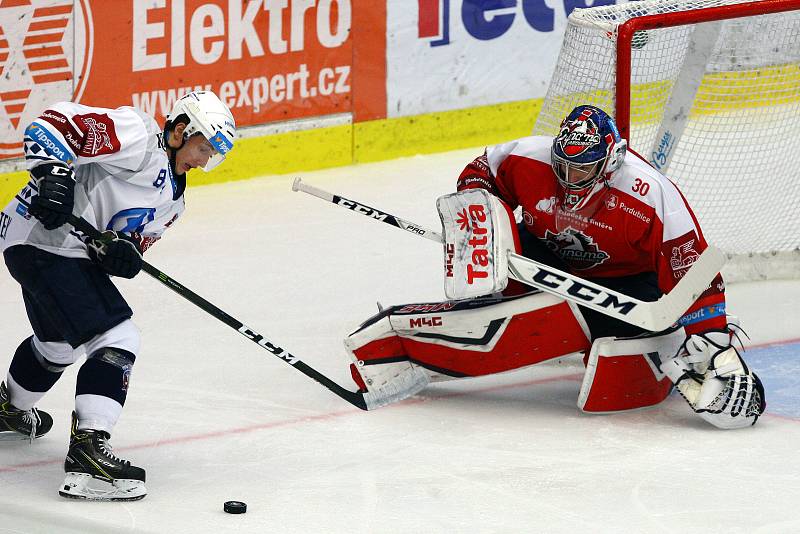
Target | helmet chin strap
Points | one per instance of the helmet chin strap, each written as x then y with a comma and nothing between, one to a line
179,179
173,152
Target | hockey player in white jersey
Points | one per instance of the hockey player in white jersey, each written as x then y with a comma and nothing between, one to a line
126,176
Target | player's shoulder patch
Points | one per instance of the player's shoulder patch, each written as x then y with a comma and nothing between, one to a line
99,134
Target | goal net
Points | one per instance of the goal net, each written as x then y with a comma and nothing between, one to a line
709,92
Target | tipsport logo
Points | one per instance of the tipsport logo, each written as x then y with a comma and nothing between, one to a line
221,143
485,20
42,44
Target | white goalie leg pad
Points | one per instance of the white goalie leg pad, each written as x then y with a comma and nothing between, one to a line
390,368
466,338
728,395
624,374
478,230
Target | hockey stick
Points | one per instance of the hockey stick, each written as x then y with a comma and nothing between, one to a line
653,316
404,387
363,209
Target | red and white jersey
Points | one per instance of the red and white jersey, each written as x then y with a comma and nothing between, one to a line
641,223
124,179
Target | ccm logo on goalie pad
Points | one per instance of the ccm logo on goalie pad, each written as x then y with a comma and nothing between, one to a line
258,338
581,291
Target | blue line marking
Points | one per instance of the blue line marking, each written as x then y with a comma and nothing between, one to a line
778,367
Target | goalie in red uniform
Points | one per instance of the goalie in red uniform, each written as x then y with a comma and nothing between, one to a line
592,208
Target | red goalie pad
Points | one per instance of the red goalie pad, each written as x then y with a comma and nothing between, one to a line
625,374
470,337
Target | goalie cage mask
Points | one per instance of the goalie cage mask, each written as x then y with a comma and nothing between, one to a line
586,151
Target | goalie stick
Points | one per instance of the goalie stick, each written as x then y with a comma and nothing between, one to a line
363,209
654,316
403,387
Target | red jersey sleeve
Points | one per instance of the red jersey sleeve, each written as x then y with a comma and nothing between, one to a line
682,242
478,174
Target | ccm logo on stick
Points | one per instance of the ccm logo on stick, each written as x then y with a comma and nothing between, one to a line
258,338
582,291
364,210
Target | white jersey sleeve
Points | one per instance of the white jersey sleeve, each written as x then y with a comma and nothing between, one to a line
124,180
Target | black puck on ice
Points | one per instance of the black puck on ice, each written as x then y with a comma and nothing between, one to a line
235,507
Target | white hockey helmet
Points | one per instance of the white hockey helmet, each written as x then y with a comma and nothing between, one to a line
206,114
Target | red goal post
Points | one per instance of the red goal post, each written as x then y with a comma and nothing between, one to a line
709,92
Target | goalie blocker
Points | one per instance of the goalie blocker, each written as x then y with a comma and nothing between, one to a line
478,231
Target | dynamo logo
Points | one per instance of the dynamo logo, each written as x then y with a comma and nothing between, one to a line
489,19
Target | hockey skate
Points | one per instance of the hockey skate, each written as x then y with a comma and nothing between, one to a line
95,473
18,424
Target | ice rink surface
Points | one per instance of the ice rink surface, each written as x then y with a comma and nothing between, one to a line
213,417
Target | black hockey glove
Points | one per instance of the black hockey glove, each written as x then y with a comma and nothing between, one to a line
116,253
56,183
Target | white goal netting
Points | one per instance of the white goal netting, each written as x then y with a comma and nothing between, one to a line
721,98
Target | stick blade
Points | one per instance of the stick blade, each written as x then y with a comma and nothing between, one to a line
402,387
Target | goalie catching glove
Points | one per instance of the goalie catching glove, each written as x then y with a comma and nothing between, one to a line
711,375
118,254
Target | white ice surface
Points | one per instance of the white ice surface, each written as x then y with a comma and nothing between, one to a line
213,417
